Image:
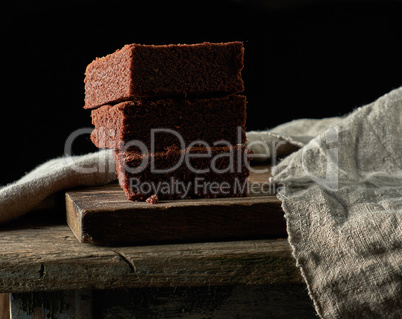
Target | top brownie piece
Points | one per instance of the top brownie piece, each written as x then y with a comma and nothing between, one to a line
157,71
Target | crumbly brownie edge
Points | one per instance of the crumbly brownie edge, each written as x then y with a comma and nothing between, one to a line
234,181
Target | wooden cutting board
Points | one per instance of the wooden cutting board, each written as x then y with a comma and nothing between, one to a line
103,215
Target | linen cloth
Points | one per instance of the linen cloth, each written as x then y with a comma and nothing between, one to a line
342,197
55,175
341,193
286,138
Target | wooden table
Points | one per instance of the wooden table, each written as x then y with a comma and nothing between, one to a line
49,272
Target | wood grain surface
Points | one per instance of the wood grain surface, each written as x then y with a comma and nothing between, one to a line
50,258
217,302
103,215
40,253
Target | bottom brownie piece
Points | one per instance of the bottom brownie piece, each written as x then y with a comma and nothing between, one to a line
189,173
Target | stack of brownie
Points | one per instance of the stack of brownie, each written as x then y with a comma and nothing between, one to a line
174,118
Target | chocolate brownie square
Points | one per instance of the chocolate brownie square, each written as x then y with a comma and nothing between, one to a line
197,172
157,71
178,122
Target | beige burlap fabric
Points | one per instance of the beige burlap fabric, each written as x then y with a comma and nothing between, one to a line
342,197
55,175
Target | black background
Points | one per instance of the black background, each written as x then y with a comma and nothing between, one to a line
303,59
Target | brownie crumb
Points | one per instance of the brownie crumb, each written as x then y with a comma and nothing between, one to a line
153,199
210,69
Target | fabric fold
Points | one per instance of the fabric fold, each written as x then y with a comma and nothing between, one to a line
55,175
342,197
